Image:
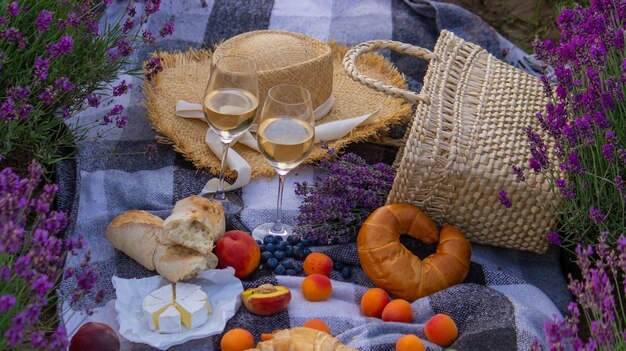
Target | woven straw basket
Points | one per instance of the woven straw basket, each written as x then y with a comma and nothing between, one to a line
467,133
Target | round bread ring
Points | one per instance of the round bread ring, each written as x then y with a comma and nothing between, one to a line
395,269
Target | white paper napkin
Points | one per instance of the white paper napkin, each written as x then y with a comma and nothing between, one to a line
325,132
221,285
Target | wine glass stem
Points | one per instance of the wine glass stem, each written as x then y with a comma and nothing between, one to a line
219,192
278,225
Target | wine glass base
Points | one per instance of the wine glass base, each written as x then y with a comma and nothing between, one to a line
231,203
266,229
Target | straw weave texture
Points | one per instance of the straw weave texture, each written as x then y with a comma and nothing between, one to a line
185,75
464,140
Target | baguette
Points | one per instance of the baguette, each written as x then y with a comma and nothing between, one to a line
196,223
136,234
176,263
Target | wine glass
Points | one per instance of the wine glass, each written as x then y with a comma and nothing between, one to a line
230,104
285,137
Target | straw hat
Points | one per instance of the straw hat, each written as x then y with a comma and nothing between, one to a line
282,58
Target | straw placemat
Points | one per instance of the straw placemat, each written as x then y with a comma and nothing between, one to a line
185,75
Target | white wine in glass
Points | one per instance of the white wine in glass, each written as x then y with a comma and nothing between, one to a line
285,137
230,111
229,106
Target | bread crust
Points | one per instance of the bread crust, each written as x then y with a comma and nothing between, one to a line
395,269
136,234
196,223
176,263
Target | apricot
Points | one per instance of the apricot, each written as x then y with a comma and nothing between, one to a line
319,263
237,340
239,250
410,342
441,330
266,336
266,299
317,324
316,287
93,336
374,301
398,310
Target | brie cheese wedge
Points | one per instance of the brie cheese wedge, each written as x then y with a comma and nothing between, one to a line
168,307
169,321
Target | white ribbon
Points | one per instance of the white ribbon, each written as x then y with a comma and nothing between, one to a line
325,132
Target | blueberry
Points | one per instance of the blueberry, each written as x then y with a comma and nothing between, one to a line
265,255
277,239
298,253
280,269
279,255
306,252
291,272
283,245
315,242
270,247
306,242
300,246
268,240
272,263
288,264
259,242
293,239
297,268
338,266
262,247
346,272
289,251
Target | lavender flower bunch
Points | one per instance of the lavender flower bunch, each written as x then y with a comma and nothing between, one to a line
599,302
32,256
336,205
586,118
55,61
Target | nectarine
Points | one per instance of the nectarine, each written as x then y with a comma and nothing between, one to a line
239,250
266,299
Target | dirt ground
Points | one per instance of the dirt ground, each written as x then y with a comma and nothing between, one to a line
521,21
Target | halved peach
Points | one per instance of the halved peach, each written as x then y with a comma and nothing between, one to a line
266,299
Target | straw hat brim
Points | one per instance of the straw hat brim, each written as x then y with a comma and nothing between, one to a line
185,75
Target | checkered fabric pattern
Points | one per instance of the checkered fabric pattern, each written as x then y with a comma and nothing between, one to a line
507,296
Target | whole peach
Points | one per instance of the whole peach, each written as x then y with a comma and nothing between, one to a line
317,262
398,310
239,250
441,330
93,336
374,301
316,287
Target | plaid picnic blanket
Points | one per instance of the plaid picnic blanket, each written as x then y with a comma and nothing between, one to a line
508,294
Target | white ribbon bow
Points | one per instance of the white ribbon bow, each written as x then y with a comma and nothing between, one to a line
325,132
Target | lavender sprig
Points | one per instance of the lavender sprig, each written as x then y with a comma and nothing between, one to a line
335,205
598,301
32,256
585,119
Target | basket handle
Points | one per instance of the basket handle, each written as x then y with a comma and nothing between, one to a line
349,65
